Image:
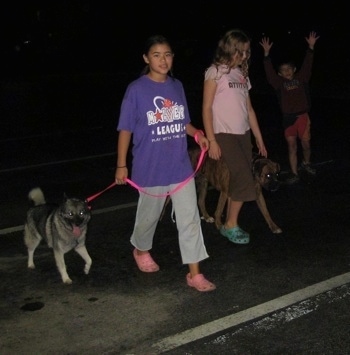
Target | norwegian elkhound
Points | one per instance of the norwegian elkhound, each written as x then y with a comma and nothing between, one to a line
62,226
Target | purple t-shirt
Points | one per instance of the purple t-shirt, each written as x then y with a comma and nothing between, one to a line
157,114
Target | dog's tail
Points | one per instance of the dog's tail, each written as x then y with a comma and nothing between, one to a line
37,196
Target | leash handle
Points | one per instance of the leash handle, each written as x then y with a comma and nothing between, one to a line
196,135
99,193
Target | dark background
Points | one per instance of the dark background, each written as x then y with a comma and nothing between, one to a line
42,37
54,48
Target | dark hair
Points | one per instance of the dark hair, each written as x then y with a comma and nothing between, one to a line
151,41
286,62
228,46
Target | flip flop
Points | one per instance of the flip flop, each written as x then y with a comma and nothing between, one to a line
200,283
235,235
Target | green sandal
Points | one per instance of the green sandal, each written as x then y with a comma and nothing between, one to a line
235,235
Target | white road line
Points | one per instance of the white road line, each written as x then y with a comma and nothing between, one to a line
249,314
11,230
99,211
20,168
287,314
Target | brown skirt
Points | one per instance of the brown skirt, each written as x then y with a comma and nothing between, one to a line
237,150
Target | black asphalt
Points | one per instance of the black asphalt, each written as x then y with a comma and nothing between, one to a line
116,309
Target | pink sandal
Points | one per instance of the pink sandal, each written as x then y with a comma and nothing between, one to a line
145,262
200,283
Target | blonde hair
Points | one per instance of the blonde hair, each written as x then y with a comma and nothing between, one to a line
228,46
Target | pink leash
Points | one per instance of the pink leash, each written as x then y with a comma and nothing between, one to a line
178,187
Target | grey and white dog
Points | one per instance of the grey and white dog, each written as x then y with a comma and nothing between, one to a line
62,226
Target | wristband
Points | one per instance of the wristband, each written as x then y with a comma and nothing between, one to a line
196,135
119,167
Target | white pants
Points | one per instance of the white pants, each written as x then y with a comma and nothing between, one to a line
188,222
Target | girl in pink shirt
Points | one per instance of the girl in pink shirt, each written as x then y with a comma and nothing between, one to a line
229,119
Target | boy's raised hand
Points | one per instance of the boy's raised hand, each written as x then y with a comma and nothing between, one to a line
266,44
311,40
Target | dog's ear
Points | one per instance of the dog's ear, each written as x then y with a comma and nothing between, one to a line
255,156
65,197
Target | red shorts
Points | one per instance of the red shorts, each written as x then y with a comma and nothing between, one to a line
300,128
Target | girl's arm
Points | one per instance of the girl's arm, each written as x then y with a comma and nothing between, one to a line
207,114
121,172
254,126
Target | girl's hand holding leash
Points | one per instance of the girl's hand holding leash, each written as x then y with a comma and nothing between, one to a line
121,175
201,140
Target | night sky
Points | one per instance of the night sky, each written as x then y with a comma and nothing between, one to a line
54,36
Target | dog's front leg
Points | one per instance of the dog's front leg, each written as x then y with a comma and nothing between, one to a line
263,209
61,266
220,209
81,250
202,187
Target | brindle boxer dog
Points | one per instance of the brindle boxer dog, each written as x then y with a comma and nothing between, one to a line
215,173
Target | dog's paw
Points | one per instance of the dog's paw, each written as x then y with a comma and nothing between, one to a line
277,230
208,219
31,266
87,268
67,281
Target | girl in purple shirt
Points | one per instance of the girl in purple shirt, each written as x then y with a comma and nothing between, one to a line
154,113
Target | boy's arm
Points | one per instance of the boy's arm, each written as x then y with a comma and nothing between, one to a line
271,75
306,67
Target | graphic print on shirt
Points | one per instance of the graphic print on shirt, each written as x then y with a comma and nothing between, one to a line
291,84
167,119
242,84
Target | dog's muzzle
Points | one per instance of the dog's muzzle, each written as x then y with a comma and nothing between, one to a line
272,183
